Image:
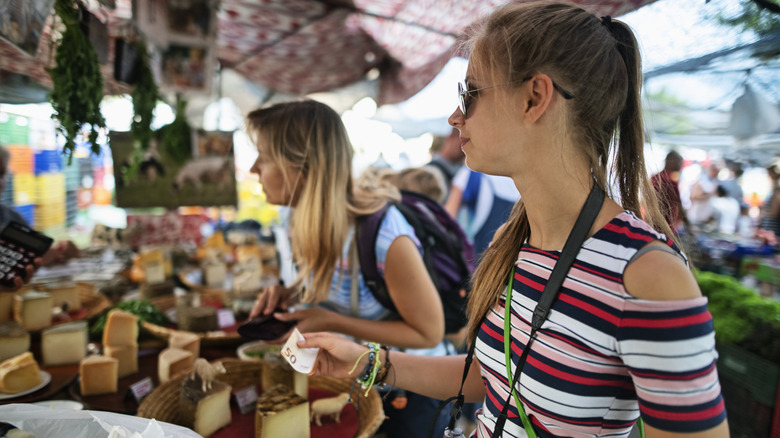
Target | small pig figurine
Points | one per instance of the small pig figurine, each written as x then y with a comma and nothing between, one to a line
329,406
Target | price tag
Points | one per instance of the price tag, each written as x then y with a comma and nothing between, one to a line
225,318
246,399
141,388
301,359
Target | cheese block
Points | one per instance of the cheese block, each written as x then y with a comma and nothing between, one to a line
64,293
127,355
172,362
185,341
282,414
32,310
121,328
197,319
204,412
19,373
159,289
98,375
64,344
276,371
247,283
214,274
14,340
6,306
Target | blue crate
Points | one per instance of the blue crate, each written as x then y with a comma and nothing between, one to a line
47,161
27,212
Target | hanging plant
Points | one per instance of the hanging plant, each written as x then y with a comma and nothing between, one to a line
145,95
78,83
176,138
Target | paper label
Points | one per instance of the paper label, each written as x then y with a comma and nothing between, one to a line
301,359
225,318
141,388
246,399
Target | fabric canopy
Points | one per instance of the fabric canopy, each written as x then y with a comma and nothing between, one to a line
299,47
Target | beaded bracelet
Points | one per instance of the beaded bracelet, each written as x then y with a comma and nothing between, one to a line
368,375
382,376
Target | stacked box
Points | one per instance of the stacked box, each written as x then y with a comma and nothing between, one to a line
50,188
50,215
27,212
71,208
47,161
24,189
21,162
72,176
7,197
14,130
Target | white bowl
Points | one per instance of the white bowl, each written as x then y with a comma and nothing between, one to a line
61,404
255,350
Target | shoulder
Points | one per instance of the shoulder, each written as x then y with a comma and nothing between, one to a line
660,276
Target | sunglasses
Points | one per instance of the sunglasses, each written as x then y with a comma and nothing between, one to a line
467,97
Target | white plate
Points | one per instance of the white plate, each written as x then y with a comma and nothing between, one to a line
45,379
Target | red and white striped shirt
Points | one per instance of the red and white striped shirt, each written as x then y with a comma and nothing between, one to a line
603,356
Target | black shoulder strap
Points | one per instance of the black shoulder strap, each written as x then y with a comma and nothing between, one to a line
571,248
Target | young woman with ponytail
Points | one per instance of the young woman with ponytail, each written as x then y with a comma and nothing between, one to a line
552,100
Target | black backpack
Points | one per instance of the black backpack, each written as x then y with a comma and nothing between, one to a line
447,252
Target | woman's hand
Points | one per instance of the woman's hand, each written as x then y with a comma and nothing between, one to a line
337,355
313,319
19,280
270,299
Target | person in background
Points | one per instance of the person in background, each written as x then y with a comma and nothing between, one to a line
481,203
305,162
422,180
726,211
446,158
60,252
733,183
702,192
548,88
667,185
769,218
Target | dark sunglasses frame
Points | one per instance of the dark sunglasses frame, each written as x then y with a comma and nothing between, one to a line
466,97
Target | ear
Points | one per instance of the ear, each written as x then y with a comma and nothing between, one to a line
539,95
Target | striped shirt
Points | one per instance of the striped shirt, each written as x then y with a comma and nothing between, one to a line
603,356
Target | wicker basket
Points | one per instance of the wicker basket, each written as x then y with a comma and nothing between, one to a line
95,302
162,404
208,339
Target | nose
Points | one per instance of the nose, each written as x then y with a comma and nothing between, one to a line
456,119
255,167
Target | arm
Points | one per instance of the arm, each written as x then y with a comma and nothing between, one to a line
453,201
642,281
433,376
415,297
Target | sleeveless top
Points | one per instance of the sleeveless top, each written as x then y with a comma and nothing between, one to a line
603,356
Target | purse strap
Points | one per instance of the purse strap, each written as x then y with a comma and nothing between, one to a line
571,248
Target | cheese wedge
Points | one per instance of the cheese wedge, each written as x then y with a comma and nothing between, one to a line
282,414
121,328
19,373
64,293
98,375
185,341
32,310
204,412
276,371
172,362
14,340
64,344
126,355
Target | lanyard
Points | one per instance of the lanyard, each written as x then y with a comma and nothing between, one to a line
571,248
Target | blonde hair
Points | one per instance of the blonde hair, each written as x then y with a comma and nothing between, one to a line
597,60
417,179
309,136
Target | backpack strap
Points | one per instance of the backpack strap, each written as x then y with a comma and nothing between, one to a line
366,232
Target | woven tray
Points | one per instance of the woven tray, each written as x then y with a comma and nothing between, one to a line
207,339
162,404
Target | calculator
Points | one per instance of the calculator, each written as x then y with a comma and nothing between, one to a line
19,246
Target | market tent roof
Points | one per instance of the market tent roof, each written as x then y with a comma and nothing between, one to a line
298,47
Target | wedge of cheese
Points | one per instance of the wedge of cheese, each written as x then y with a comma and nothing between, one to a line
64,293
185,341
172,362
19,373
126,355
275,371
282,414
32,310
121,328
64,344
98,375
14,340
205,412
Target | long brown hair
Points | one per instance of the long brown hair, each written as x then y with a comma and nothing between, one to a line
309,136
598,61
